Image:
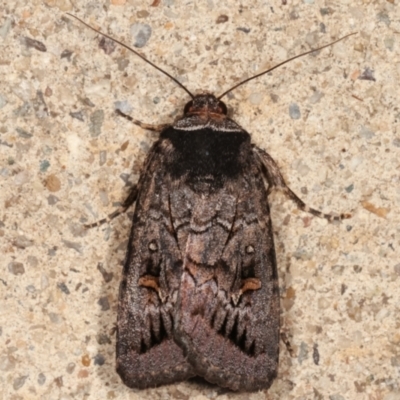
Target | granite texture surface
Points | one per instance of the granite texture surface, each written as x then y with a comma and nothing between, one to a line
330,120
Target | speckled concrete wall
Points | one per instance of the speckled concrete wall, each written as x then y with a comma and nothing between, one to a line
331,121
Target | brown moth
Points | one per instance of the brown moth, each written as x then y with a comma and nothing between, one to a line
199,294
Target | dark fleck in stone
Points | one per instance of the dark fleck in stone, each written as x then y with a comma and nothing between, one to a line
63,287
71,367
349,228
384,17
349,188
303,352
23,133
360,386
31,289
104,303
245,30
343,289
141,33
41,379
397,269
396,142
142,14
103,338
315,354
59,381
40,106
354,310
77,115
395,361
107,45
317,395
54,317
124,145
16,268
294,111
44,165
32,261
357,269
19,382
34,44
22,242
51,200
122,63
294,14
222,19
96,122
99,359
87,102
326,11
274,97
52,252
107,276
73,245
367,75
66,54
126,178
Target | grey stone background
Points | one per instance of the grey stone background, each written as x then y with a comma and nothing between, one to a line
331,120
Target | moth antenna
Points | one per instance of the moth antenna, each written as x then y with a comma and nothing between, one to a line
282,63
135,52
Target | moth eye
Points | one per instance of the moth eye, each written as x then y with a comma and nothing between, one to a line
223,107
188,106
153,246
249,249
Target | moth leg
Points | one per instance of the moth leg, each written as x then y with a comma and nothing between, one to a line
288,345
275,180
132,196
149,127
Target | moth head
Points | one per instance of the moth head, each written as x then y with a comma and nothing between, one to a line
205,103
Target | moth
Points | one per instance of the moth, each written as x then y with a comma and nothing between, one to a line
199,294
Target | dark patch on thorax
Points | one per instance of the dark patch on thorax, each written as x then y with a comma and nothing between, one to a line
206,155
